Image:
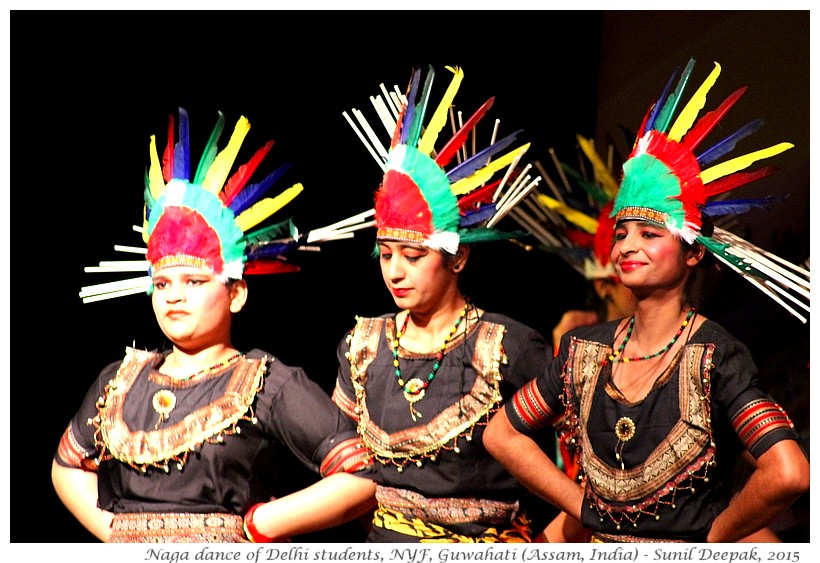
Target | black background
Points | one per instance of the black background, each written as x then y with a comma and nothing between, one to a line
91,87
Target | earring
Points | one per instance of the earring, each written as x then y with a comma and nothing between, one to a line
456,268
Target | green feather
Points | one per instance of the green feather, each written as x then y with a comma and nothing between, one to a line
648,182
665,116
209,154
594,191
271,232
482,234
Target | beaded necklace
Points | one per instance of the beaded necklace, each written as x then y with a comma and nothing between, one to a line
414,389
214,367
164,400
616,357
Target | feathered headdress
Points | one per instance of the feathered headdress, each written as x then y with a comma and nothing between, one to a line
665,181
574,221
204,221
420,199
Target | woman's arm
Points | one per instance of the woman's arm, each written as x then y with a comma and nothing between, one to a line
780,477
77,488
528,463
329,502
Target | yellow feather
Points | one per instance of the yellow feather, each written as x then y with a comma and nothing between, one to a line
693,107
602,172
471,182
144,225
155,171
263,209
741,162
582,220
155,182
221,166
428,139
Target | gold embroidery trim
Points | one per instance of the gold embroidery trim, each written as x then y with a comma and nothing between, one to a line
209,423
415,444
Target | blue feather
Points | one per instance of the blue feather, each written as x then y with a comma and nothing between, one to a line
421,109
253,193
271,250
728,144
410,111
182,150
479,160
477,216
653,115
738,206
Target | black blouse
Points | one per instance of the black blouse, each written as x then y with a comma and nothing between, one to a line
223,445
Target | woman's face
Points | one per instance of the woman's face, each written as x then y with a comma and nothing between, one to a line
648,257
417,277
193,307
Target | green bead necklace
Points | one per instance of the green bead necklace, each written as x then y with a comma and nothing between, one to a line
414,389
616,357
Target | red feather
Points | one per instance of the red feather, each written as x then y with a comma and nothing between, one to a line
706,123
397,131
737,179
269,266
240,178
451,148
643,126
400,204
168,153
602,245
481,195
579,238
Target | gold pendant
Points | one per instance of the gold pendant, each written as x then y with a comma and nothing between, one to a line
414,392
624,430
164,402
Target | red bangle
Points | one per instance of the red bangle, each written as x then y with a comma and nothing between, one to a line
250,528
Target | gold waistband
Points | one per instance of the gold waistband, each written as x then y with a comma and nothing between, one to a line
613,538
446,510
176,527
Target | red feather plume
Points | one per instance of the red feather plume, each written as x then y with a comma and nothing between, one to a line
481,195
269,266
706,123
643,124
168,153
397,131
451,148
737,179
240,178
579,238
602,245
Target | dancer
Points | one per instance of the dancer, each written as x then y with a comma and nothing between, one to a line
180,445
419,384
662,420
